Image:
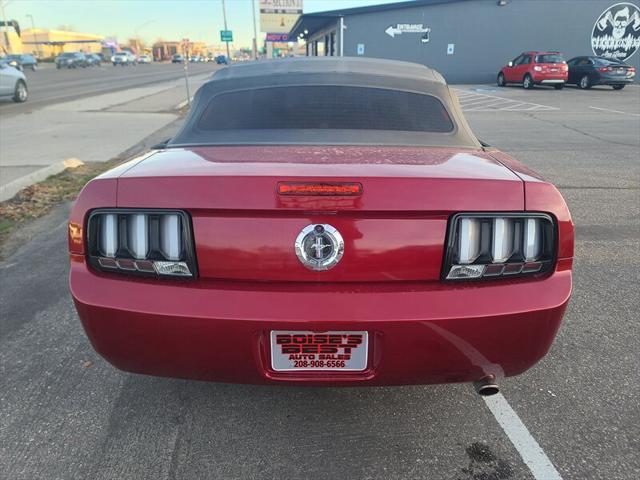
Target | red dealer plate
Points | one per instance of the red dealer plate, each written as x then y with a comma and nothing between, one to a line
293,351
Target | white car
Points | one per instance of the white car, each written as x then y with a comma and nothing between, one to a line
13,83
124,58
144,59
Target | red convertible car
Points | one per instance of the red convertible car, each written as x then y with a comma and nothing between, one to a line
325,221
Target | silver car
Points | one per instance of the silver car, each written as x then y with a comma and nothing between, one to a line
13,83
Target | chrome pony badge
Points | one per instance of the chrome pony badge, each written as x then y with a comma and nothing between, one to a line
319,247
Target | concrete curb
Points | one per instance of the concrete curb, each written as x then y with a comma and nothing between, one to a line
10,189
182,104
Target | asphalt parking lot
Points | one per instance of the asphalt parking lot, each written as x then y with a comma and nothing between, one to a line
65,413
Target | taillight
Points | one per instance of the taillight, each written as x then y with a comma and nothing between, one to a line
320,188
499,245
141,242
631,69
605,69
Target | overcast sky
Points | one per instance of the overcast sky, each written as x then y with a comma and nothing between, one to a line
198,20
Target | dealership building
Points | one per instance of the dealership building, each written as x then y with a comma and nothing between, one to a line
469,40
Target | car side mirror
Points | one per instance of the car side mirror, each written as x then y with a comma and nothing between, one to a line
510,64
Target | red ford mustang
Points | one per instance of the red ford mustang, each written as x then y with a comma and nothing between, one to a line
322,221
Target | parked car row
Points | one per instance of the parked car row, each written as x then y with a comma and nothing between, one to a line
126,58
77,59
178,58
550,68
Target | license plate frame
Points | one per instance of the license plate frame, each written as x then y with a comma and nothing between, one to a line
309,351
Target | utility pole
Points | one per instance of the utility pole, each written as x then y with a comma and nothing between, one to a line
35,35
255,31
342,29
7,44
185,64
224,14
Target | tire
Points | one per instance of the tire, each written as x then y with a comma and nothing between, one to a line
559,86
585,82
501,81
618,87
34,67
58,66
527,82
20,93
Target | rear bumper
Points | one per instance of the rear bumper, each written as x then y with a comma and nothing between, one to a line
419,334
613,80
548,79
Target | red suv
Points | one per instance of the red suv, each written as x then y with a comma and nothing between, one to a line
531,68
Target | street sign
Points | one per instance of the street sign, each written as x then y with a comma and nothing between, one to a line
277,37
226,35
401,28
185,44
279,16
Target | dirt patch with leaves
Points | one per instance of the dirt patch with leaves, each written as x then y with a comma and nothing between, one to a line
36,200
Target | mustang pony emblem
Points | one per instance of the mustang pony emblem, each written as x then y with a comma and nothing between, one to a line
319,247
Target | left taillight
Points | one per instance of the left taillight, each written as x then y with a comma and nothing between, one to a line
142,242
499,245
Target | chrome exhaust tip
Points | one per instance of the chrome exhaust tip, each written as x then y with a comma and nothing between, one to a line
486,386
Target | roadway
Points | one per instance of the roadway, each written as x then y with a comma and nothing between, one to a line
49,85
92,114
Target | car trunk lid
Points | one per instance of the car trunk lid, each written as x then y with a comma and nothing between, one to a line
394,231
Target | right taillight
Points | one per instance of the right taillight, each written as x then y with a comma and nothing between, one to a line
499,245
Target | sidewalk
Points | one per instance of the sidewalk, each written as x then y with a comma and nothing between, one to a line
35,145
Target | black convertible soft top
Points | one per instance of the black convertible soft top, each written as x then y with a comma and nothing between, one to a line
326,101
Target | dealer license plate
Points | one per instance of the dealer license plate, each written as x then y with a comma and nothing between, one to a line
319,351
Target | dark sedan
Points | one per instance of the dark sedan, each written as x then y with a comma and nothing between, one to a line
22,61
93,60
71,60
585,72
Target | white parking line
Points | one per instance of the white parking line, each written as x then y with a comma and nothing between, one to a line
532,454
485,105
617,111
481,102
475,101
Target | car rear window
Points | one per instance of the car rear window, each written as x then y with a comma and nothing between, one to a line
549,58
605,62
322,107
